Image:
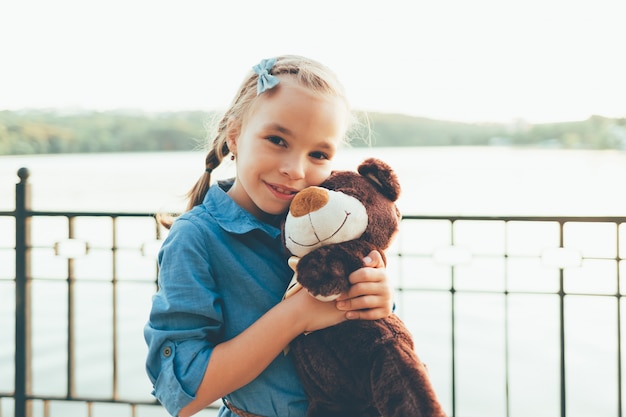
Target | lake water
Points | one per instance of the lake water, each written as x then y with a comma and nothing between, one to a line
456,181
435,181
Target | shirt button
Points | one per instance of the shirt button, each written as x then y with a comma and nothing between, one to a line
167,351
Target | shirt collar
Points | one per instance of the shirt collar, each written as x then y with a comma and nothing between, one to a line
230,216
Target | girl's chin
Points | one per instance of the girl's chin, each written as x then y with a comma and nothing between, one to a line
277,211
276,208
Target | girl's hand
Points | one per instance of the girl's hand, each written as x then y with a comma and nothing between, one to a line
370,297
315,314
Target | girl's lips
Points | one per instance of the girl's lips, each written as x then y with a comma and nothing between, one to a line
284,193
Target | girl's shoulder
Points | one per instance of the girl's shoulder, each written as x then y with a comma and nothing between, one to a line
195,220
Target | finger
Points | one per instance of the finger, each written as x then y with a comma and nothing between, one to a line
361,303
372,287
368,275
374,260
369,314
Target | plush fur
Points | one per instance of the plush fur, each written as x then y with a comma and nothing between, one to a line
358,368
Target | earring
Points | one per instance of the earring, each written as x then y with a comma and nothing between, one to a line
232,157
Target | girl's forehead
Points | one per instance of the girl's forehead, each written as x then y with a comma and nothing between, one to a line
291,101
289,88
298,116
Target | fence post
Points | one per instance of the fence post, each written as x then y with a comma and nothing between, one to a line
23,407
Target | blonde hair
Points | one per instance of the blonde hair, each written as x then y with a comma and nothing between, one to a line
306,72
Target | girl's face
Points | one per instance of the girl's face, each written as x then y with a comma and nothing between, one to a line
286,143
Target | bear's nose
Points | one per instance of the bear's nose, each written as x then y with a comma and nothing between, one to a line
308,200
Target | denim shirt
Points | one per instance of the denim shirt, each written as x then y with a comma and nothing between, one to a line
221,269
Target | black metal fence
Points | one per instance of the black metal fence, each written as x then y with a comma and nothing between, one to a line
515,316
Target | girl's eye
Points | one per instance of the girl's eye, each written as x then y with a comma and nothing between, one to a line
319,155
276,140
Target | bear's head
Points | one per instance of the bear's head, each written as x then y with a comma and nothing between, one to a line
347,207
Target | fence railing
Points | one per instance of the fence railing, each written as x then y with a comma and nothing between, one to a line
514,315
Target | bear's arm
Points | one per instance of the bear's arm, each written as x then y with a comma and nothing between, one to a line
324,271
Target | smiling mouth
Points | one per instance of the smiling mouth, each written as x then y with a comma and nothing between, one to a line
305,245
284,191
281,190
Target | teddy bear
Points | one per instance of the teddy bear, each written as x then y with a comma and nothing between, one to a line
358,368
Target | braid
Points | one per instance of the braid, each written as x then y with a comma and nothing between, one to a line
213,159
219,149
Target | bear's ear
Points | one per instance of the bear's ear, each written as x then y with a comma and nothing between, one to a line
381,175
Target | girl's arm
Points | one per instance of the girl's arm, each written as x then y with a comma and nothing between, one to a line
238,361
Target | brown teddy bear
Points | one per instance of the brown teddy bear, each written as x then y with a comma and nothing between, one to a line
358,368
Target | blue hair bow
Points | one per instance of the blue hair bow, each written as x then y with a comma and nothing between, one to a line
266,80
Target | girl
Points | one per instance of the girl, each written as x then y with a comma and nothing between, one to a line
218,328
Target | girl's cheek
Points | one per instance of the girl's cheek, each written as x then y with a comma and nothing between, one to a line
316,178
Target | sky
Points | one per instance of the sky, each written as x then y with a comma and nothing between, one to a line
465,60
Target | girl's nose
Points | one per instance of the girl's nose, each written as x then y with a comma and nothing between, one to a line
293,168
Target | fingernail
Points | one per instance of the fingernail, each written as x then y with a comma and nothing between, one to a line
367,260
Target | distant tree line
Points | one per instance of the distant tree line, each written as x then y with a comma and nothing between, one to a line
42,132
597,132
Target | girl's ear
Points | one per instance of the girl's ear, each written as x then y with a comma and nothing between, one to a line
233,129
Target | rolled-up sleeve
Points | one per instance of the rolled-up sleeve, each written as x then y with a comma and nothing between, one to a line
186,320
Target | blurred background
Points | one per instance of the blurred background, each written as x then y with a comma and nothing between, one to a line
481,61
505,121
